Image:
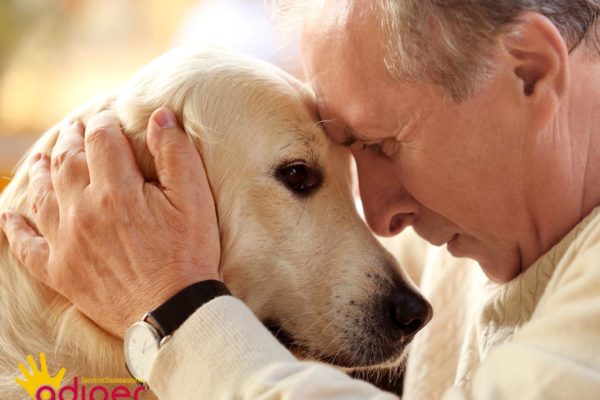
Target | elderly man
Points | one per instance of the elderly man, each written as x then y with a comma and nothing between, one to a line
474,122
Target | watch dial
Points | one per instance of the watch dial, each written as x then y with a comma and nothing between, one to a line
141,345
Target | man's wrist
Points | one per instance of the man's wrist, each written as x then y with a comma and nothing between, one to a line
179,307
159,324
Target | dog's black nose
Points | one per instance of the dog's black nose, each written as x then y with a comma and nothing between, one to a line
409,312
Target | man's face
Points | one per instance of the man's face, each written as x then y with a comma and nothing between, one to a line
453,172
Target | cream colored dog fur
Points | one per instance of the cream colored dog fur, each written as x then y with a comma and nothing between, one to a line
305,263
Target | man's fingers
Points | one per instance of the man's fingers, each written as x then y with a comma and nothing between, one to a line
69,168
30,248
179,167
110,156
41,194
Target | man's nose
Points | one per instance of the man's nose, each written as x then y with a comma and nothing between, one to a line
387,205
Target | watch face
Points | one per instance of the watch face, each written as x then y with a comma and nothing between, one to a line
141,345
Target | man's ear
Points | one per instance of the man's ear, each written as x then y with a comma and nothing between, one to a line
539,56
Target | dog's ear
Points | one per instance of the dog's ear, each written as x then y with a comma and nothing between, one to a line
136,134
134,105
172,81
135,115
131,116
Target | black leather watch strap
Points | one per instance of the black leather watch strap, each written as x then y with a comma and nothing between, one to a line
172,313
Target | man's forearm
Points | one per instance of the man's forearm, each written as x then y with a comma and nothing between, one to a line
224,352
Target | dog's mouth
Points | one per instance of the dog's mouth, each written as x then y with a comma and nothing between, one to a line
287,340
386,378
302,351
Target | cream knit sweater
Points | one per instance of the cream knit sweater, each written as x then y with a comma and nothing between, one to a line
536,337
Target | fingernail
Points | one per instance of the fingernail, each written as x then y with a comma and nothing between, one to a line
165,118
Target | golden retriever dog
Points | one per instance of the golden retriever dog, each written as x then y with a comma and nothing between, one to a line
294,248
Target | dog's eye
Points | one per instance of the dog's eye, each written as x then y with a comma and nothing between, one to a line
299,178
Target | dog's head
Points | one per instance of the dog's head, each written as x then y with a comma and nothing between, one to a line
293,246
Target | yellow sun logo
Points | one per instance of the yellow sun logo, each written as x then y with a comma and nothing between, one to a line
37,378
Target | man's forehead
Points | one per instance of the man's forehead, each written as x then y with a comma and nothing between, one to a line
326,15
348,76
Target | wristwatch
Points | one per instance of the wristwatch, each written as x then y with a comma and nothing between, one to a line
144,338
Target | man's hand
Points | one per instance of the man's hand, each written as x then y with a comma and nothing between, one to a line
115,245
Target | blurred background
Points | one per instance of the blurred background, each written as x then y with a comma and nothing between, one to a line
56,54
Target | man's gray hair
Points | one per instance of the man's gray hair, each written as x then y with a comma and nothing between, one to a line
450,42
